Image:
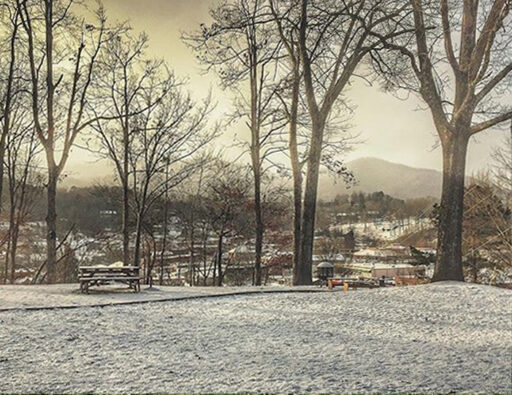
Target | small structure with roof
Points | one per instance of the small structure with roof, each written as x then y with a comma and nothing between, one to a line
324,272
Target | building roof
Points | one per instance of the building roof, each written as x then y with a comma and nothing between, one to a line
379,265
326,265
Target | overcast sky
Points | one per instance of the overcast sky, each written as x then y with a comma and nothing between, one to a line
392,129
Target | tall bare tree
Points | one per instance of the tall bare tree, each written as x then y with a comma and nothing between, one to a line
9,88
24,180
459,63
62,51
239,47
287,22
193,214
286,16
334,38
125,75
167,138
226,203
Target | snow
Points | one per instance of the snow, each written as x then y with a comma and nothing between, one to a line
384,230
379,265
437,338
33,297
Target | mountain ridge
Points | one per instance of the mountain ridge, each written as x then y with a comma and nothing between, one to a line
375,174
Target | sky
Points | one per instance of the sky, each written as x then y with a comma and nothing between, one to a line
397,130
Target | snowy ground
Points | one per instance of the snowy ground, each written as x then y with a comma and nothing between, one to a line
433,338
14,297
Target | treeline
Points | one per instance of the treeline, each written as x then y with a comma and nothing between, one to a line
70,75
377,205
88,208
81,206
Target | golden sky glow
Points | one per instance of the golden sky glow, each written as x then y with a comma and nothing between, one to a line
389,128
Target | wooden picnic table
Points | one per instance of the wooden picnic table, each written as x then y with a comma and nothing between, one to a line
98,275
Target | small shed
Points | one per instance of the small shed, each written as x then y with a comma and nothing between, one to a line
325,271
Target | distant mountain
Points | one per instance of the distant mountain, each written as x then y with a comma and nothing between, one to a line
373,175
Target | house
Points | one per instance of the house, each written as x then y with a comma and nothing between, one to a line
389,270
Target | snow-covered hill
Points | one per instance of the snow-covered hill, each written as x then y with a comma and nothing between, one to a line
435,338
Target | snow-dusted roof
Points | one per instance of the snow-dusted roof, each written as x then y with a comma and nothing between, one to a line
379,265
374,252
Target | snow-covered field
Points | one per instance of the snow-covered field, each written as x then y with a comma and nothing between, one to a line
15,297
432,338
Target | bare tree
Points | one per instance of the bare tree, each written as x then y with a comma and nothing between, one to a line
464,85
487,230
168,138
62,52
124,77
194,213
194,217
286,17
239,46
333,39
287,26
189,210
11,86
502,167
165,225
23,179
226,204
149,253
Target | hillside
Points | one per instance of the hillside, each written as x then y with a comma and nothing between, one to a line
372,175
397,180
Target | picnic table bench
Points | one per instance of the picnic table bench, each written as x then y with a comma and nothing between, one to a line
98,275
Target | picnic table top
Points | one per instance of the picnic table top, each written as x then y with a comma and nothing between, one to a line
106,268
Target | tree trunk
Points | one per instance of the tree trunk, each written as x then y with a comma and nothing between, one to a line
259,226
297,218
191,251
304,275
7,107
206,274
2,155
164,241
14,247
164,248
51,223
256,159
146,256
449,249
151,259
297,176
219,261
138,237
10,241
7,255
126,218
214,277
